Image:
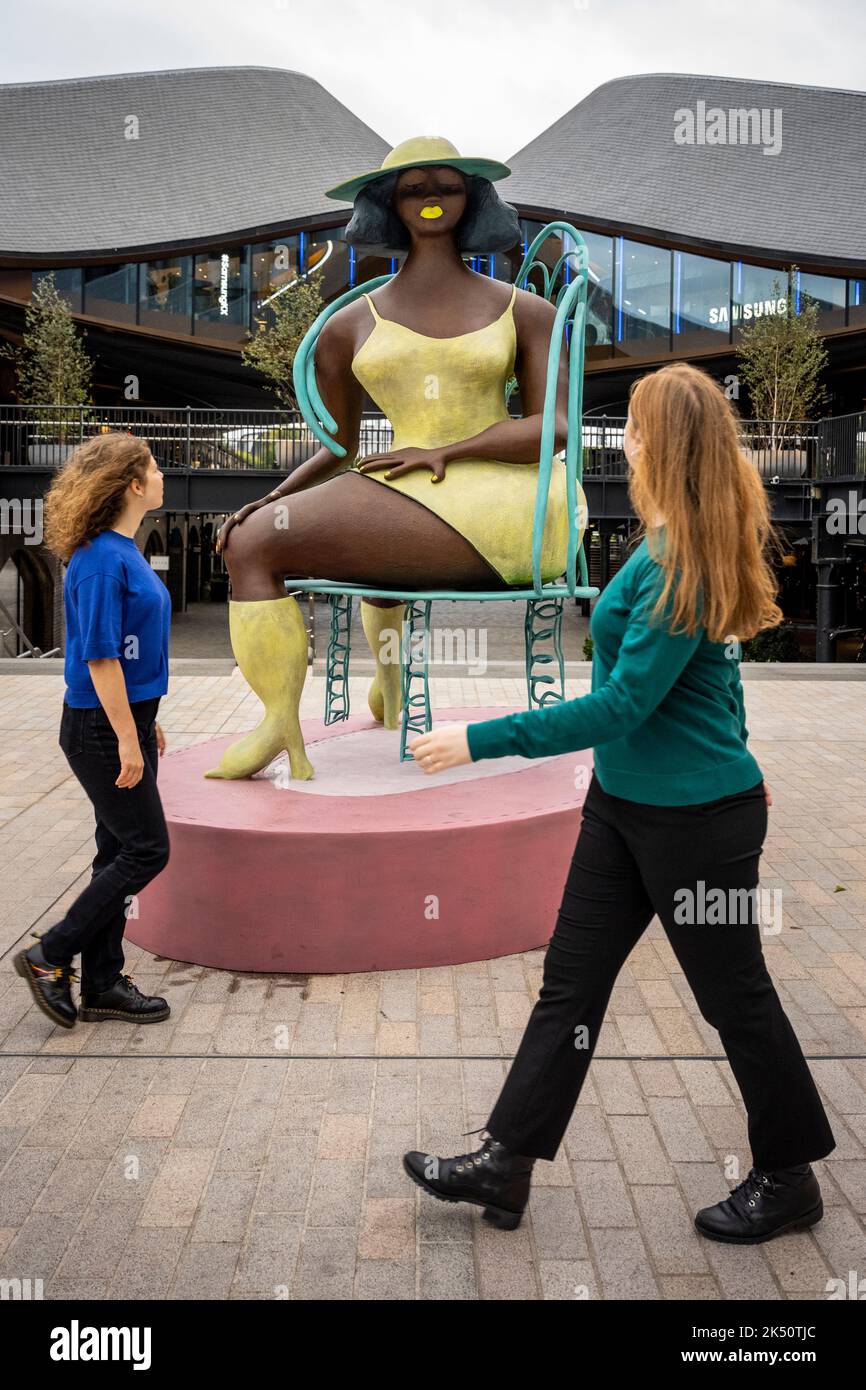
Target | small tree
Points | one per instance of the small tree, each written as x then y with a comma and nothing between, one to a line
271,349
51,364
780,359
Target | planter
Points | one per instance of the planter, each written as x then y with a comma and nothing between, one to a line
779,463
49,455
268,447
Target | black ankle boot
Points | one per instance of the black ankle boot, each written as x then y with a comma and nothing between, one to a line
493,1178
764,1205
49,985
122,1000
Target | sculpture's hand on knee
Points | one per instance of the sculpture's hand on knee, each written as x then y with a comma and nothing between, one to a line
236,519
225,531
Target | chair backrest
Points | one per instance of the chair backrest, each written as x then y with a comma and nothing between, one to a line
570,302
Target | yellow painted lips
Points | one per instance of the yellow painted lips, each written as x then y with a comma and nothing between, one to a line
431,212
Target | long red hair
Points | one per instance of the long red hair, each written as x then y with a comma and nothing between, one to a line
691,470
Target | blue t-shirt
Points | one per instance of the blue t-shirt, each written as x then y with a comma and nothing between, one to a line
116,606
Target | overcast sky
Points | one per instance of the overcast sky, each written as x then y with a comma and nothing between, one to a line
487,74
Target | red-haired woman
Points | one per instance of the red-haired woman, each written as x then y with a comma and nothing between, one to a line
673,824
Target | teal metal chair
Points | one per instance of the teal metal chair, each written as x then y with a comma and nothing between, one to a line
544,602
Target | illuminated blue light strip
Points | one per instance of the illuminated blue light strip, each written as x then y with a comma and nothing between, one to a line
797,295
619,281
351,267
678,285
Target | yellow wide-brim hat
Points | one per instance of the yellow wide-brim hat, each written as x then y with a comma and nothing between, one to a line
413,154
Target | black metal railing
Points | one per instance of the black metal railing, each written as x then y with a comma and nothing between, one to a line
179,439
184,439
841,448
779,451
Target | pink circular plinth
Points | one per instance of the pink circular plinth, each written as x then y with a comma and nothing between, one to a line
372,865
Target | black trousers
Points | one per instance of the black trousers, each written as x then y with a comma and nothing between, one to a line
131,842
632,861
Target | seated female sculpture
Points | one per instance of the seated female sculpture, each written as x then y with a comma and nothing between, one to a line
452,504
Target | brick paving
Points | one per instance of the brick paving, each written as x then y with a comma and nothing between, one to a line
193,1159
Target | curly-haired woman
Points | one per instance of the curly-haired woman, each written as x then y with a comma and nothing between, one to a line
118,615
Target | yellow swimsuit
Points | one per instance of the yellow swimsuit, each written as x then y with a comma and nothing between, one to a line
437,391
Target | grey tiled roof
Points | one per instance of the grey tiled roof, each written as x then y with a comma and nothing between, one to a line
220,151
227,151
613,158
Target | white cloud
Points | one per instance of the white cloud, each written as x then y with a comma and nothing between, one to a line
488,74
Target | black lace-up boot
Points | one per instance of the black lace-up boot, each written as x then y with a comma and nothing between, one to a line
122,1000
764,1205
492,1177
49,984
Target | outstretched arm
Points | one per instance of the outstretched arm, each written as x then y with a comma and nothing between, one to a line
649,662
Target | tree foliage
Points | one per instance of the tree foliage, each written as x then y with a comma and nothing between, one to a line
271,349
51,364
780,360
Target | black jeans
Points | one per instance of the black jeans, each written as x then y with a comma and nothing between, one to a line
131,842
632,861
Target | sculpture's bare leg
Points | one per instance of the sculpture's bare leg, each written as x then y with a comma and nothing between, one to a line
349,528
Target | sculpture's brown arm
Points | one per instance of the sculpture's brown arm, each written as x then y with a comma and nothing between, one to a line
342,393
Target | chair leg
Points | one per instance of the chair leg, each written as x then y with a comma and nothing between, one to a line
542,629
337,666
416,701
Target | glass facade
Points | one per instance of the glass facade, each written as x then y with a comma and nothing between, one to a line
599,308
273,270
165,295
828,293
327,255
69,284
221,294
701,296
755,292
111,291
644,300
642,309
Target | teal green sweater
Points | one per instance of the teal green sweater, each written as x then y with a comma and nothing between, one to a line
665,715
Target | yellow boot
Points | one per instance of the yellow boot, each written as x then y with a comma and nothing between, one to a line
384,626
270,646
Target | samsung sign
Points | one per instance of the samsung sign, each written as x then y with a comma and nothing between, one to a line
742,313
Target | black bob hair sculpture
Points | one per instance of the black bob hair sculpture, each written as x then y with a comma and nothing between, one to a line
488,224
